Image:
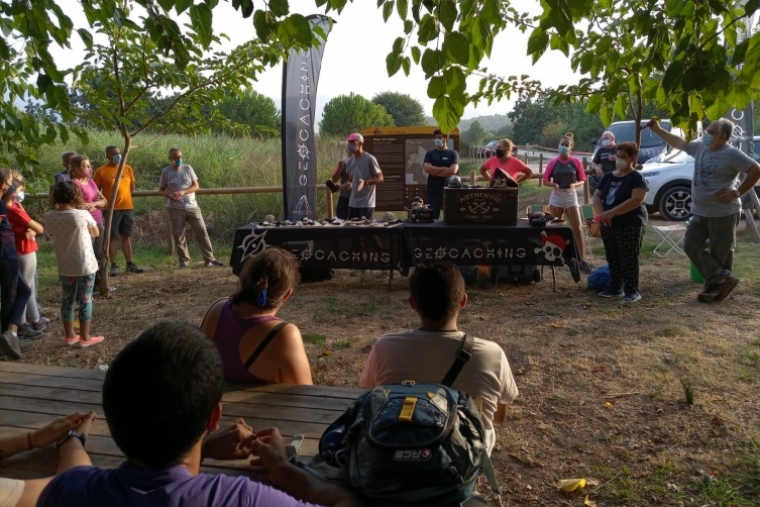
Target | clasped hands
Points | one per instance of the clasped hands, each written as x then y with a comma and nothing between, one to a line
239,441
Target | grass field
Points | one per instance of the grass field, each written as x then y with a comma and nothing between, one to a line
603,386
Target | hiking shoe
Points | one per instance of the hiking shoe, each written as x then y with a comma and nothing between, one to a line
40,324
28,332
92,341
182,265
114,270
132,268
25,345
585,268
632,297
214,264
709,294
726,286
9,344
609,292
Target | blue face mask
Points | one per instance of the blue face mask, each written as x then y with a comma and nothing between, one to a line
178,162
11,189
117,158
707,139
563,150
439,143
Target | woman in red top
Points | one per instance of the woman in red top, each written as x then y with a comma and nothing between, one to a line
24,231
504,160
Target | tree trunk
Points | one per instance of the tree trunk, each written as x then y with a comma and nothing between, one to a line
109,215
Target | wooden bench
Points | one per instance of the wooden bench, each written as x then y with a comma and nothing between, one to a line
31,396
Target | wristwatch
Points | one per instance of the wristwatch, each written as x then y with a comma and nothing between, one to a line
71,434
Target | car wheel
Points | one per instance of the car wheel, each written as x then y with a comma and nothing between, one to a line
675,204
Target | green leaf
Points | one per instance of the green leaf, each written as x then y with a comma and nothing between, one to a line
457,48
183,5
447,14
537,41
719,108
455,83
621,105
428,29
750,7
408,26
481,33
447,113
594,103
296,28
416,55
279,7
387,10
740,52
430,62
86,38
402,7
606,114
262,26
558,42
200,19
166,4
393,63
436,87
44,82
406,64
672,76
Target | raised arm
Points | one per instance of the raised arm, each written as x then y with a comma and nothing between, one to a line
673,140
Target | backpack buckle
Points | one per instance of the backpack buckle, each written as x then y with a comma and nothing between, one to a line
408,383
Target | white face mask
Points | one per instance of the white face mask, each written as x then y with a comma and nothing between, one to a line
606,142
621,164
20,197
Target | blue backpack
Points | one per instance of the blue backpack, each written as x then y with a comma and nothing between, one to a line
411,444
599,279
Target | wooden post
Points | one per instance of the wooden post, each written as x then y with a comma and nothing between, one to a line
329,193
586,187
473,178
540,169
750,215
170,246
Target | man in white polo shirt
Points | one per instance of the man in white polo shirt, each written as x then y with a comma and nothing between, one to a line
426,354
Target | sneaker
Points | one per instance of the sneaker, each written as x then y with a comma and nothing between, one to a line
182,265
92,341
214,264
632,297
726,286
132,268
585,268
25,345
609,292
40,324
9,344
72,341
28,332
115,270
709,294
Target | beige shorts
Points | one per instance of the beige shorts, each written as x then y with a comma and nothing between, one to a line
10,492
566,199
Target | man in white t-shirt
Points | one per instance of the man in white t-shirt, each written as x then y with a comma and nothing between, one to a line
178,183
426,354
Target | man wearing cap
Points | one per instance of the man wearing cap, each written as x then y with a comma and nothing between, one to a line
440,164
363,175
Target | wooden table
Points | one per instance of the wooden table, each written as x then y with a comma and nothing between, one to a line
31,396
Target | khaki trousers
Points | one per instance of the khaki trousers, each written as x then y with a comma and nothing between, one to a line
177,219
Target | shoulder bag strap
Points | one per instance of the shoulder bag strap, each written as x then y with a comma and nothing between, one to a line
267,339
464,355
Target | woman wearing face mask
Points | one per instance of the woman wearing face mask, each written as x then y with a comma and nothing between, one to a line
604,160
14,292
25,230
80,172
619,200
566,174
505,160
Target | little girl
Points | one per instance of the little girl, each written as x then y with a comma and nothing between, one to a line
72,230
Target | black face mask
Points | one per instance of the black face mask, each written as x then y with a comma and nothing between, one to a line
500,153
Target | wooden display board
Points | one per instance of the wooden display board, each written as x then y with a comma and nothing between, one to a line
400,151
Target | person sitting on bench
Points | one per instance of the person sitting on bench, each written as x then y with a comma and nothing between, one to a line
255,344
436,293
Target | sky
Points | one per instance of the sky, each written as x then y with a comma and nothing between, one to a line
354,58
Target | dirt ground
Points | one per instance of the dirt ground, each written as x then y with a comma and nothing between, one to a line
603,386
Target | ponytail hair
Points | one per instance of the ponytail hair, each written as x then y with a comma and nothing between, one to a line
571,138
266,279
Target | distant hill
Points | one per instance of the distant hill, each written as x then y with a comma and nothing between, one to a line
490,123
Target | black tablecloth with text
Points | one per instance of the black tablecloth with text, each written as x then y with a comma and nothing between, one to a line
403,245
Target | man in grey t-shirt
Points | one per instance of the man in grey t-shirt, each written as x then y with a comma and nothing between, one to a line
364,175
178,183
716,203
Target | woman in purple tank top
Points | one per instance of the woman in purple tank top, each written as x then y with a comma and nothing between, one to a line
255,344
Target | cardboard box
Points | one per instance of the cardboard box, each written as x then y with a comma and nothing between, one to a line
486,206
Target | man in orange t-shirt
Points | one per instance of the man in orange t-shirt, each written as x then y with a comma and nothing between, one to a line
123,215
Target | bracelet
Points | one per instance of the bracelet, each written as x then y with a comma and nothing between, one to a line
29,440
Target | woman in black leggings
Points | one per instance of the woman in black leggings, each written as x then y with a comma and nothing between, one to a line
14,292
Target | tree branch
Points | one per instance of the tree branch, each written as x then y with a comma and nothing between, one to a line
148,85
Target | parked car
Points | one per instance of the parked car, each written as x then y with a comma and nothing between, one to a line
669,177
489,150
651,144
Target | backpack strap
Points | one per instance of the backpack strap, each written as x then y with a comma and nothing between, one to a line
464,355
486,467
267,339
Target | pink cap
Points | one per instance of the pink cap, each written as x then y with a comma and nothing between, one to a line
356,137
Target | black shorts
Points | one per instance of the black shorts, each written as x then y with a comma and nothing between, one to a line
360,212
123,223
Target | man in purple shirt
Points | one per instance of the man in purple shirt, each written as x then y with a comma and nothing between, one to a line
161,398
